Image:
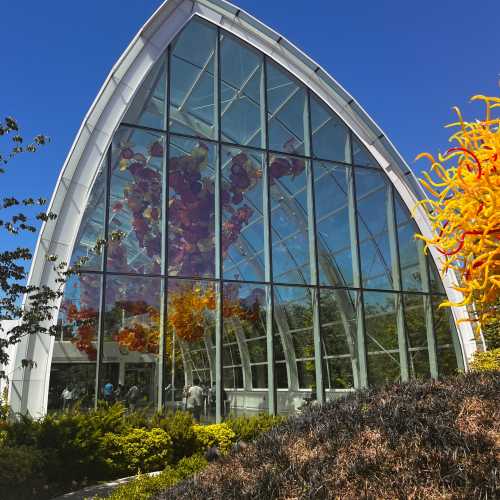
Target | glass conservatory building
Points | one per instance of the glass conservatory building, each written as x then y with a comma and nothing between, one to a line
239,220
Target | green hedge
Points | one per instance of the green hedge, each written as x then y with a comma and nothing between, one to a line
67,451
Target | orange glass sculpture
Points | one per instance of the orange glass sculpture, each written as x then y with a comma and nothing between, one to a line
464,209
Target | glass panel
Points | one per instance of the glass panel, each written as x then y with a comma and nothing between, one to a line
73,370
190,339
87,250
191,214
333,224
135,212
294,320
244,319
242,219
131,341
330,136
447,358
361,156
286,108
241,80
148,106
192,82
371,195
436,282
416,335
289,219
408,250
381,337
338,335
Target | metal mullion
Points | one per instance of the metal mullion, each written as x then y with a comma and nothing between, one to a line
219,326
268,257
100,329
357,276
397,283
313,255
164,257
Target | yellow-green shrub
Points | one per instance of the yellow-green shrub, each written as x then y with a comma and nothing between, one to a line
139,450
144,487
487,361
220,435
249,428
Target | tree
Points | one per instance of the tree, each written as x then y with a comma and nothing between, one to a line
33,306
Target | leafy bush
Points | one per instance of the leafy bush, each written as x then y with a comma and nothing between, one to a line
144,487
487,361
21,472
179,426
220,435
138,450
249,428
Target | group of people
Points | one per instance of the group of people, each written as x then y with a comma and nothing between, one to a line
200,399
129,396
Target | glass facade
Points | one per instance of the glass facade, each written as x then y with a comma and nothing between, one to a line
254,247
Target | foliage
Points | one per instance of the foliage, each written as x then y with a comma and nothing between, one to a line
488,361
137,450
179,426
219,435
144,487
40,304
249,428
463,210
437,439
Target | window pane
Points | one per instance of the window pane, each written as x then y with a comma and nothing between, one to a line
371,195
409,252
416,335
330,136
381,337
148,105
242,214
131,340
436,282
87,250
334,231
338,335
361,156
73,368
191,213
289,219
286,107
241,80
293,314
135,212
192,82
191,335
447,358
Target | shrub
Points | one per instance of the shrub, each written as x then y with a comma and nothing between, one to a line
138,450
249,428
179,426
20,472
220,435
437,439
487,361
144,487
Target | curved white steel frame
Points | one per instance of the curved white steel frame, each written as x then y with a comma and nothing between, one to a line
29,389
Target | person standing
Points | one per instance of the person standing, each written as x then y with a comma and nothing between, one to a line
194,401
132,396
67,398
108,393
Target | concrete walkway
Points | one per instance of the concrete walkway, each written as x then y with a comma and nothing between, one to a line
101,489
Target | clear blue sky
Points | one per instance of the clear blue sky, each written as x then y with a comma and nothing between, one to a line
407,63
